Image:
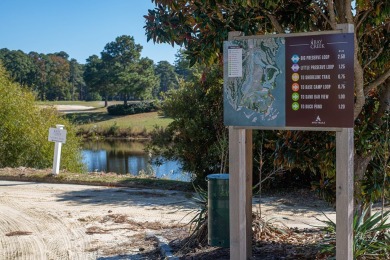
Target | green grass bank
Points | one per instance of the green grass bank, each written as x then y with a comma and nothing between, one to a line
95,122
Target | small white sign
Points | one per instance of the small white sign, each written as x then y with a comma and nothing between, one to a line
57,135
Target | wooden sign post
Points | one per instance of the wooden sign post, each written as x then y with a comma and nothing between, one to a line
288,82
240,192
344,194
240,189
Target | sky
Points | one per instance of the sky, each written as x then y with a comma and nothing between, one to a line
81,28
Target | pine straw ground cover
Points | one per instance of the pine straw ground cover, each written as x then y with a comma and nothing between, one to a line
269,242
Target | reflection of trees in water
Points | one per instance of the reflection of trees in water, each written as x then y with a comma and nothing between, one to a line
116,145
126,162
118,156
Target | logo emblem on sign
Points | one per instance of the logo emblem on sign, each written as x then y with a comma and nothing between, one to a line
318,121
316,44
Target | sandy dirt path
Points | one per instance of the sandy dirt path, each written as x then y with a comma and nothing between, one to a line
61,221
72,107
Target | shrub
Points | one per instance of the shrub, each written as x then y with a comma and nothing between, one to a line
371,236
113,130
24,131
197,136
132,108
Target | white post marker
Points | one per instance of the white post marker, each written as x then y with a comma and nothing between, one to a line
57,135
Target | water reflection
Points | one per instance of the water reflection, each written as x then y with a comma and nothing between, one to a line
127,157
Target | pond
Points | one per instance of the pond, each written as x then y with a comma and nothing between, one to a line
128,157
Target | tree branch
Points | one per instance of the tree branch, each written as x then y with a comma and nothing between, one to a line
332,15
348,12
384,103
279,170
316,6
275,23
373,58
360,21
383,25
339,7
377,82
359,82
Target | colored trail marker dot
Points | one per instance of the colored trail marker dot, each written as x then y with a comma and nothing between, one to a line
295,106
295,58
295,96
295,67
295,87
295,76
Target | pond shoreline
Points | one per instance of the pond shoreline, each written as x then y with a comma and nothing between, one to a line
125,156
109,179
108,134
113,138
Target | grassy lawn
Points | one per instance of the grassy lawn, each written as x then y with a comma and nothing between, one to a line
138,122
99,122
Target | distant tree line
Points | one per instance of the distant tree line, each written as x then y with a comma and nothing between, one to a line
118,73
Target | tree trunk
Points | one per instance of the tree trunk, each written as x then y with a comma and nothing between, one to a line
360,164
384,102
106,100
125,99
340,10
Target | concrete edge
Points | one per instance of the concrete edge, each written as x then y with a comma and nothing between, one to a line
165,249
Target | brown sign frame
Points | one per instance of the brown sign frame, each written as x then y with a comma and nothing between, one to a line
326,80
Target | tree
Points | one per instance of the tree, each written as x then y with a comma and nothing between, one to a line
120,70
39,84
202,26
58,75
122,60
96,76
197,136
168,77
76,80
138,80
147,80
50,76
19,65
184,69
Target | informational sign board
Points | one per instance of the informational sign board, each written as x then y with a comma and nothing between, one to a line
57,135
297,81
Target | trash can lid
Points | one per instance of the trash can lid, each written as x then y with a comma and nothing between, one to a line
221,176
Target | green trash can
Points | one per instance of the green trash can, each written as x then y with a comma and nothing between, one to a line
218,210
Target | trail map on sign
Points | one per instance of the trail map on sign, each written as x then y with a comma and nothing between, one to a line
253,82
